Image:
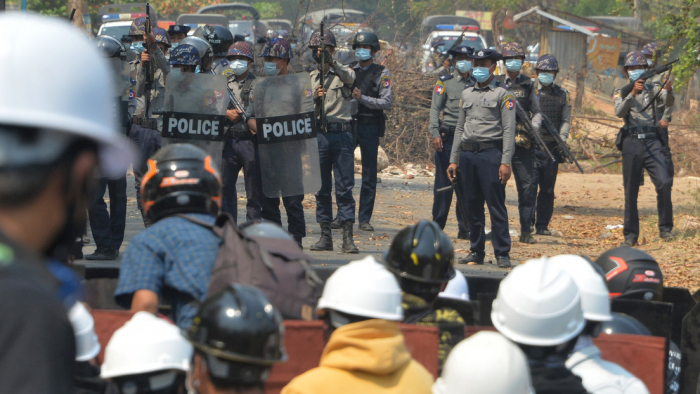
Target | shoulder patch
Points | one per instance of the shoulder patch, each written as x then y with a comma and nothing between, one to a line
439,88
616,95
509,100
386,82
446,77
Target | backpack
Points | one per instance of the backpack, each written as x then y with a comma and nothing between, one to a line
277,267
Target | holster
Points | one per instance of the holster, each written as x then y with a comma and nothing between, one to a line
620,137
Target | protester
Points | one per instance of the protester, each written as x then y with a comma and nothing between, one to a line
56,139
361,304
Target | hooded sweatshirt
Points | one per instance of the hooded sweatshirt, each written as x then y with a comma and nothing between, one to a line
366,357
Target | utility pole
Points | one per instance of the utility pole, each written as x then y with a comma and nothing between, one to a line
638,12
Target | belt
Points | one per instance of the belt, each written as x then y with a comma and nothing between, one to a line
646,136
479,146
241,134
367,120
339,127
642,132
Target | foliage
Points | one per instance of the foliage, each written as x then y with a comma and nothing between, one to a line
683,31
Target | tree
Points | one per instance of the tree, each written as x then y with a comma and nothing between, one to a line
683,31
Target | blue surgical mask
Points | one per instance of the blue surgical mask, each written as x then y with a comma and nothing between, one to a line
363,54
481,74
513,64
464,66
138,47
650,62
196,70
545,78
271,69
239,66
635,74
174,45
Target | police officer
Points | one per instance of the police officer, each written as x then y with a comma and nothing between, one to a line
277,54
421,257
136,32
220,39
240,149
652,52
446,96
206,54
234,352
483,149
641,147
525,92
555,104
336,144
177,33
434,63
372,90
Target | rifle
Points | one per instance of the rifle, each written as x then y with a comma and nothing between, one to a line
456,44
525,120
560,143
627,89
322,69
147,65
236,104
72,14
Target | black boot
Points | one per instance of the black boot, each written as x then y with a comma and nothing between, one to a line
298,238
336,224
326,241
348,243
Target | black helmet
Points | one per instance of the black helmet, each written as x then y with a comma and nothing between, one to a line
365,38
632,273
238,326
422,253
180,179
624,324
112,47
206,54
219,37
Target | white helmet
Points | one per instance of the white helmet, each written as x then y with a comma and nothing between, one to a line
457,288
363,288
591,285
87,346
145,344
538,305
64,99
485,363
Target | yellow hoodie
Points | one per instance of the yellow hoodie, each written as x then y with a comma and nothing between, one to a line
366,357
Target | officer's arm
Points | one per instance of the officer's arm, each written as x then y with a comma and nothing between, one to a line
565,119
383,102
131,108
140,80
508,123
536,120
459,130
344,73
623,105
161,61
668,114
437,105
251,112
667,99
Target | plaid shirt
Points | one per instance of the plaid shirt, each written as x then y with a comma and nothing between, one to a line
173,258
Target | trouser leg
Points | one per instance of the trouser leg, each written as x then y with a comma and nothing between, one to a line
251,177
489,163
443,201
655,164
117,210
547,170
369,145
523,166
343,158
230,167
632,165
99,218
324,200
296,223
474,196
148,142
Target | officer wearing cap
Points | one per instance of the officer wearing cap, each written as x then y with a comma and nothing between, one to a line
240,149
483,148
652,52
525,92
336,144
277,54
641,148
555,104
446,95
372,90
177,33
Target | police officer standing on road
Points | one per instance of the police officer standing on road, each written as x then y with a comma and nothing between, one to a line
177,33
240,149
336,144
372,90
277,54
482,149
446,99
641,147
525,92
555,104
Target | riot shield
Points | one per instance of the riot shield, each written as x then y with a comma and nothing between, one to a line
194,111
287,131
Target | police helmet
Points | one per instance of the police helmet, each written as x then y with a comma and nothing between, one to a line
219,37
240,48
184,55
180,179
239,333
162,36
635,58
511,50
138,27
277,47
112,47
624,324
366,38
328,38
421,253
547,63
206,54
632,273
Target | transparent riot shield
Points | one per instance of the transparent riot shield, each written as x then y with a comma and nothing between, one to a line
194,111
287,131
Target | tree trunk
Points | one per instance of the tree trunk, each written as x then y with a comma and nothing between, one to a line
80,8
638,12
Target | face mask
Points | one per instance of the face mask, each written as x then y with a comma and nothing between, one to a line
650,62
481,74
174,45
464,66
196,70
513,64
138,47
271,69
239,66
546,78
363,54
635,74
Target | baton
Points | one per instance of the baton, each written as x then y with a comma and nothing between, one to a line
458,195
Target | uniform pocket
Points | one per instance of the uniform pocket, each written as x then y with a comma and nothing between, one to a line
491,110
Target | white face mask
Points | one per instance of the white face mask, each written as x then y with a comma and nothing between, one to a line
239,67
